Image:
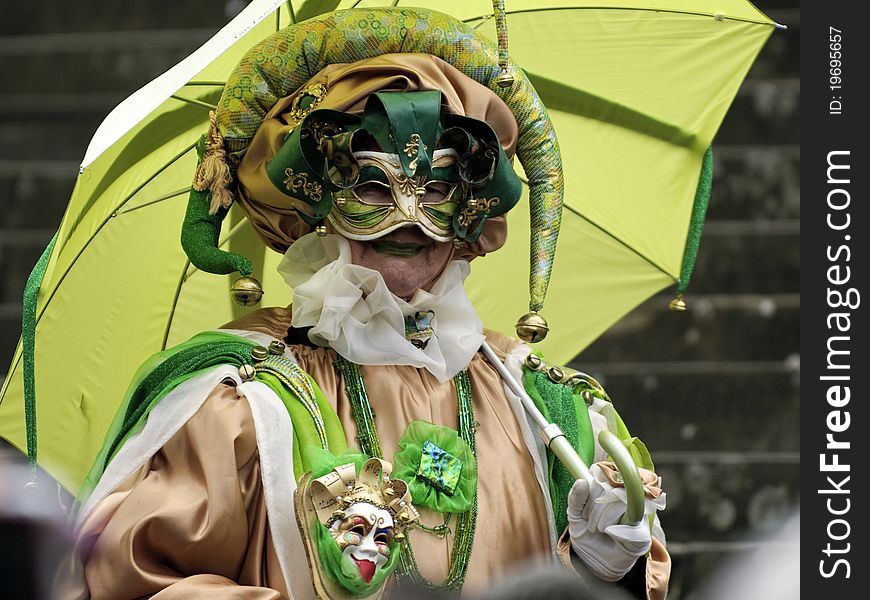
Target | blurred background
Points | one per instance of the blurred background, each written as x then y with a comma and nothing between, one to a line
714,392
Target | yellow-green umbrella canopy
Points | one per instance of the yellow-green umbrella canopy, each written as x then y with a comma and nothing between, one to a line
636,93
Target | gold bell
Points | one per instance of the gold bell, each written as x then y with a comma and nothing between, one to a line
532,328
320,230
246,291
678,304
555,374
505,80
534,362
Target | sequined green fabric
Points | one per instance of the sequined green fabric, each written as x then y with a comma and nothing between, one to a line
283,62
28,345
559,405
439,468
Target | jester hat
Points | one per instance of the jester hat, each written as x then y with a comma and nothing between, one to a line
263,124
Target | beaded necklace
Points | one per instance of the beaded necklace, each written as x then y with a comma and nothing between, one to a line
369,443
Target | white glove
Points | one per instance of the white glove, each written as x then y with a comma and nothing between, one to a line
606,547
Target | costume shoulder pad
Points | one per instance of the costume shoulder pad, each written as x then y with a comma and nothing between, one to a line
581,383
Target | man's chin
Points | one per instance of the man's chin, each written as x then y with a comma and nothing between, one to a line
404,276
403,272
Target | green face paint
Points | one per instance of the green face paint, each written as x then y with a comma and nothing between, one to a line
393,248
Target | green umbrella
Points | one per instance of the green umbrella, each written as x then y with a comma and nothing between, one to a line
636,93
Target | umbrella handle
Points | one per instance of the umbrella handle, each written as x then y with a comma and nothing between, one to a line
630,476
564,451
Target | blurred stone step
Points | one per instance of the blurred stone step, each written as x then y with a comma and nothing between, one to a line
765,111
103,15
755,182
727,500
715,328
35,193
751,264
53,137
10,331
101,69
767,6
745,406
19,252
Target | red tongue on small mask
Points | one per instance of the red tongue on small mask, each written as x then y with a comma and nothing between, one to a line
366,569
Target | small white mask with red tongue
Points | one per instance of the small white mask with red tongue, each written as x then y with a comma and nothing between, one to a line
364,535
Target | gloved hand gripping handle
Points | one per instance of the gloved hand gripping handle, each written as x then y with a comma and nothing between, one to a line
564,451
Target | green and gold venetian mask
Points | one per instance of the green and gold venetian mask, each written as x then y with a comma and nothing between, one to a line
403,162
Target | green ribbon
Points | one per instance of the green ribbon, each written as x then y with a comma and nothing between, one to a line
28,348
696,224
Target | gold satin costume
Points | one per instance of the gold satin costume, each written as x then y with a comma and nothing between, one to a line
192,520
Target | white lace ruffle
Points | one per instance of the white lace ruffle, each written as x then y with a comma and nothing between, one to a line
351,310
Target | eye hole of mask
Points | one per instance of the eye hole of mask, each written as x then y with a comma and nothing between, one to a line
382,538
373,192
436,192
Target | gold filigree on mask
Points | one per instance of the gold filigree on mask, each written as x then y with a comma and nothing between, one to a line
299,181
412,186
412,148
476,207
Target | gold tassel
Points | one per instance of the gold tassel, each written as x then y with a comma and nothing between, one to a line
213,173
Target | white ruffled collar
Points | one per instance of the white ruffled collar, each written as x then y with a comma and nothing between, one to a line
350,309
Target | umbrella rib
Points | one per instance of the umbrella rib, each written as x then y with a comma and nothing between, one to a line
175,298
670,11
194,102
154,201
621,241
483,21
291,9
106,220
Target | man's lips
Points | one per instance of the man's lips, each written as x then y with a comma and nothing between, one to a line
366,568
396,248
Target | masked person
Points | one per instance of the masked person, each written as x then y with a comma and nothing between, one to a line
358,438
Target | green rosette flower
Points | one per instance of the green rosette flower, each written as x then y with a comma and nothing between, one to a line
438,465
